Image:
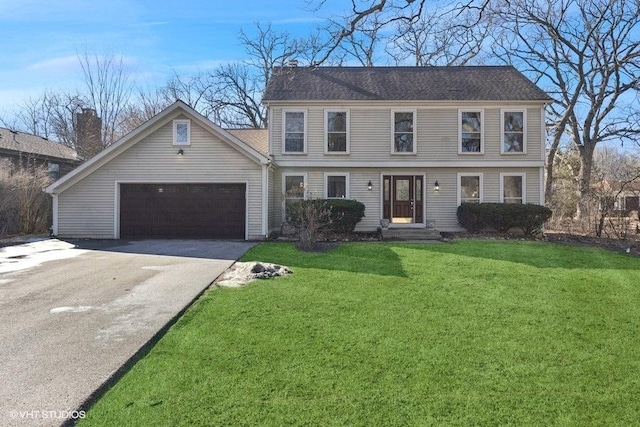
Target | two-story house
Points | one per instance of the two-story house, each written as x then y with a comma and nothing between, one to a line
411,143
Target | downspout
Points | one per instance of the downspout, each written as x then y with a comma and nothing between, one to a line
265,200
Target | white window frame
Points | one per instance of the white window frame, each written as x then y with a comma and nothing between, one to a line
346,183
524,131
284,130
415,132
482,140
284,190
480,183
178,122
326,131
524,185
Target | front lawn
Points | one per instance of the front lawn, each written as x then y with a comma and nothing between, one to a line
464,333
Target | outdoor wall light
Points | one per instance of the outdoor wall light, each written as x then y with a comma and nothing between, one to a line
180,152
436,187
369,186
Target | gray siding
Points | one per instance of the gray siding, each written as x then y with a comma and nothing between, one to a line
436,134
88,208
440,206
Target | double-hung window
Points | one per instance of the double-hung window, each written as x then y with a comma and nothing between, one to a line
469,188
294,189
336,131
404,132
513,132
336,186
513,188
294,131
471,132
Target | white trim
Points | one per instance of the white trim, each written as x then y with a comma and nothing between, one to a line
400,172
305,112
542,187
284,191
524,131
346,175
270,132
54,212
414,132
543,133
413,164
482,140
524,185
326,131
265,200
116,230
386,104
459,185
178,122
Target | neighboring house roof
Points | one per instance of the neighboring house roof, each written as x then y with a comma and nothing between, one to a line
482,83
21,142
258,139
169,113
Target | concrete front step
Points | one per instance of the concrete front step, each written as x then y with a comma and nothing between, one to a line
411,234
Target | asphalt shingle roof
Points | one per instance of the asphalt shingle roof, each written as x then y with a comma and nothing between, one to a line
481,83
258,139
28,143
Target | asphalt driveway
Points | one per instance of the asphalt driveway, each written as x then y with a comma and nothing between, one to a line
71,314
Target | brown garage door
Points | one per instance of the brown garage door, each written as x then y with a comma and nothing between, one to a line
214,211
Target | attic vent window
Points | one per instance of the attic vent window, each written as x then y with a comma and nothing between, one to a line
181,132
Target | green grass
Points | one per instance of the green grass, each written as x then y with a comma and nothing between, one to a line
465,333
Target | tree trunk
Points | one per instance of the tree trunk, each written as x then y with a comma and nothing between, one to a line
584,181
548,184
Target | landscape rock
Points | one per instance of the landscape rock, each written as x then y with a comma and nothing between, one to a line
241,273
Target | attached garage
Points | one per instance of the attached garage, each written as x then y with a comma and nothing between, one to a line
176,176
216,211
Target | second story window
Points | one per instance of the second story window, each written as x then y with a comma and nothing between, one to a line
294,132
513,132
337,131
181,132
471,132
403,132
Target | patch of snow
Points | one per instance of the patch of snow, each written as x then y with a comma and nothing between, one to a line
29,255
241,273
78,309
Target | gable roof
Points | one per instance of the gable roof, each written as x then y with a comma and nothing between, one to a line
258,139
482,83
22,142
160,119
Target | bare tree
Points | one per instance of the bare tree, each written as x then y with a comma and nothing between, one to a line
231,94
386,13
439,37
587,55
107,89
145,105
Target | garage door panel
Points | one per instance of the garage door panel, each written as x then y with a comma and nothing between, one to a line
183,210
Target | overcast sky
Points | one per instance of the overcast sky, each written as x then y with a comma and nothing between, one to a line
40,39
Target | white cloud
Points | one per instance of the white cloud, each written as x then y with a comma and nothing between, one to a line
59,66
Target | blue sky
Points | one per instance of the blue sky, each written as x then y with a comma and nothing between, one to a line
40,39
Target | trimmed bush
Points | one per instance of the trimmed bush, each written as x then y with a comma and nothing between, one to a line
503,216
472,216
345,214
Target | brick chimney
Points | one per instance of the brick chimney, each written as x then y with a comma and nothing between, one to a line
88,128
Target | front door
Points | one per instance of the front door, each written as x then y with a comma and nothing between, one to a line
403,203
